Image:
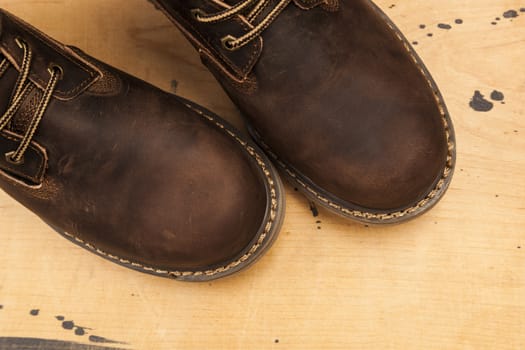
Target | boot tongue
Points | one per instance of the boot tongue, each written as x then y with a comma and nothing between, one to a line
22,118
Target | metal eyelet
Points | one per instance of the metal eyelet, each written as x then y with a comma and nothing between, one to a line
53,67
197,13
226,42
9,159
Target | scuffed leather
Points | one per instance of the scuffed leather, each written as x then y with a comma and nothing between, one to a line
340,97
135,172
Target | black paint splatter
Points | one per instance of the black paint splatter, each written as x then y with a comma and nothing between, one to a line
102,340
392,6
444,26
68,325
493,23
1,307
479,104
522,9
314,210
12,343
80,331
34,312
174,85
511,14
497,95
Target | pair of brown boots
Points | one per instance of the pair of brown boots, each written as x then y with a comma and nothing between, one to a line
333,96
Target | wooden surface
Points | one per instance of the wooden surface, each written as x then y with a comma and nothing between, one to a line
454,278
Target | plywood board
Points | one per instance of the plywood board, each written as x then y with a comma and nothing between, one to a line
454,278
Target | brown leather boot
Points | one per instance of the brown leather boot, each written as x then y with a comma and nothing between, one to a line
141,177
336,96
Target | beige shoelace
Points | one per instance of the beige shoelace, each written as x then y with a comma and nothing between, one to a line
22,88
232,43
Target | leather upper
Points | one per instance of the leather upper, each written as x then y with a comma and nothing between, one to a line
143,176
338,95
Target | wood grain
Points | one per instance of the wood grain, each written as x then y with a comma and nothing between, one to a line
454,278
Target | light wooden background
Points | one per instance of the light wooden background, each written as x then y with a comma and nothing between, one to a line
454,278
